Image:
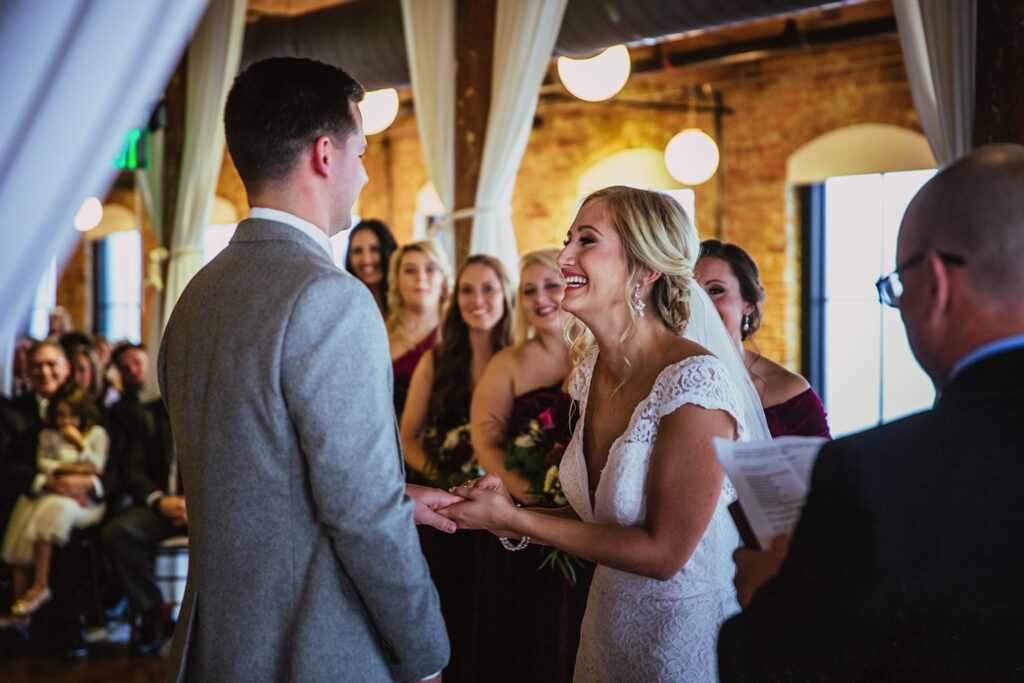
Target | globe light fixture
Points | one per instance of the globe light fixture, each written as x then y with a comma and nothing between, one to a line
89,216
691,156
597,78
379,109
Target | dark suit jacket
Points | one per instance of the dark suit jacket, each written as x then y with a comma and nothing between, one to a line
20,425
142,448
908,560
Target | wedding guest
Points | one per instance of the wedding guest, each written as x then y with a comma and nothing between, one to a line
648,498
731,279
20,384
436,442
370,245
519,419
905,564
21,420
86,372
418,284
73,443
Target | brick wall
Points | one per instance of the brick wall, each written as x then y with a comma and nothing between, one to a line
778,104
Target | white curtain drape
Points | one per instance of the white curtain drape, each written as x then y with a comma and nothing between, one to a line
212,64
430,44
938,40
524,38
76,76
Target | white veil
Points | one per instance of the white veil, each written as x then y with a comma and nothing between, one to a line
706,328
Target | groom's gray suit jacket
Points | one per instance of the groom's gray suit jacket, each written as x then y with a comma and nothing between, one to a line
304,563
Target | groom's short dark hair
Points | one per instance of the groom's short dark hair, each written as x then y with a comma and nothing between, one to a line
279,106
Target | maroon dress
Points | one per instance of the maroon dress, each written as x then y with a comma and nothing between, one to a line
802,415
403,367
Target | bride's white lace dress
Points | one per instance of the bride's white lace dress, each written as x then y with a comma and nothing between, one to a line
637,628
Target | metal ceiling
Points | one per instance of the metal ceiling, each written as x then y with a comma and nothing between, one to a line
366,38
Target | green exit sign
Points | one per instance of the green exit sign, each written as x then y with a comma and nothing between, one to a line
133,150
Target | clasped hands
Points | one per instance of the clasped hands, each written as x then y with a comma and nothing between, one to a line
483,503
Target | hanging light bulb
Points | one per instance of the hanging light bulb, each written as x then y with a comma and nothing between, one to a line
89,216
379,109
691,156
597,78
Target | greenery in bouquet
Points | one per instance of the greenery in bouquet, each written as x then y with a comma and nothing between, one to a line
451,461
536,451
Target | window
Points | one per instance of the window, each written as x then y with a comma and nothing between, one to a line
43,302
119,286
855,349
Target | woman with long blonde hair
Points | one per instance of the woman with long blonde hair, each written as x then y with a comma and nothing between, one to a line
418,278
647,497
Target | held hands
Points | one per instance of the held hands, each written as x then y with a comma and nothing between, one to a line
75,486
486,505
428,502
755,567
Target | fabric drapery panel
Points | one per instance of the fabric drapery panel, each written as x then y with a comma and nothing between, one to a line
430,43
938,41
524,38
212,63
76,75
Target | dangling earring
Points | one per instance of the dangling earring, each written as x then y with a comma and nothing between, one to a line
638,304
746,323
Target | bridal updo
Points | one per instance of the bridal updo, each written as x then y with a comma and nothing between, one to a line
657,234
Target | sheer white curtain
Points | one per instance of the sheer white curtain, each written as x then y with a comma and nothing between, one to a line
938,40
524,38
430,44
76,76
212,63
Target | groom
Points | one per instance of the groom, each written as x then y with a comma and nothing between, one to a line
305,564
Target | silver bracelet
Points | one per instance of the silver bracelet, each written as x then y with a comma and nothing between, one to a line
508,545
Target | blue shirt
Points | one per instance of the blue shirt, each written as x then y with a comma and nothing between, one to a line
984,351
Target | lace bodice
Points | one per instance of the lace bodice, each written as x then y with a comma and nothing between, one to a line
638,628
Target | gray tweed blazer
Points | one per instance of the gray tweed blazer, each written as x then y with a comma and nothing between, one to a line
304,562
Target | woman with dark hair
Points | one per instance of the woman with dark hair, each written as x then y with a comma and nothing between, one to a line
437,445
731,279
370,245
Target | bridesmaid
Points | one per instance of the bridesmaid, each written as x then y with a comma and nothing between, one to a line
418,279
370,245
435,439
731,279
521,384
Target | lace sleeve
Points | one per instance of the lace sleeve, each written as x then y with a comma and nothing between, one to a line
580,382
702,381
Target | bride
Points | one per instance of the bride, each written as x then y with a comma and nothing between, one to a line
647,496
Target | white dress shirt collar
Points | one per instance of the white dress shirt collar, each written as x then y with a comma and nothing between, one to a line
305,226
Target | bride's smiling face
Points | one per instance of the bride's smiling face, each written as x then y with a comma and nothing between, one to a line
593,264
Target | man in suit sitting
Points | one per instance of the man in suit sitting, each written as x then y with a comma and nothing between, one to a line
906,563
304,563
143,461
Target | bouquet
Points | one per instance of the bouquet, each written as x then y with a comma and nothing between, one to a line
455,461
536,451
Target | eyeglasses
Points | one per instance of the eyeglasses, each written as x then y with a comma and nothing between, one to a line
889,287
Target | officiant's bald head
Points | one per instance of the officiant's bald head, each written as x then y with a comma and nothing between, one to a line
961,250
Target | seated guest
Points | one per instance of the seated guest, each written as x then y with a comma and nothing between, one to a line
370,245
437,445
21,420
417,295
73,443
148,475
86,372
20,384
731,279
520,399
906,563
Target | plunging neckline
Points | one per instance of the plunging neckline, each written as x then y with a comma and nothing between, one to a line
630,426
